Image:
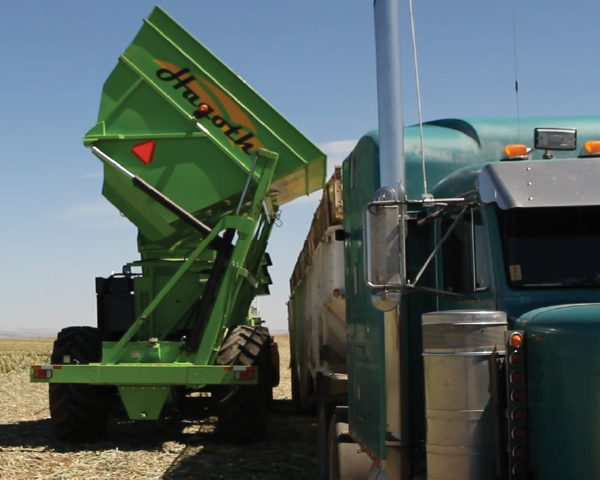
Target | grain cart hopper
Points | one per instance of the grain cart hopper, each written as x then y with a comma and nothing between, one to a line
200,164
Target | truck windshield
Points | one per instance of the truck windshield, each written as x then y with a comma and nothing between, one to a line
551,247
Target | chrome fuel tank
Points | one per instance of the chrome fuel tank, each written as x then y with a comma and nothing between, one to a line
457,350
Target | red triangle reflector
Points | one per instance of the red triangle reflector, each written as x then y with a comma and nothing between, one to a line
144,151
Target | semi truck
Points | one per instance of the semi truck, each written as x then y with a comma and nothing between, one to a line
483,364
472,296
200,164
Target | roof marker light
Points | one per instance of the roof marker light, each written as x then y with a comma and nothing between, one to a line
592,147
516,151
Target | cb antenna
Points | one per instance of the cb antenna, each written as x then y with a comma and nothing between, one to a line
516,75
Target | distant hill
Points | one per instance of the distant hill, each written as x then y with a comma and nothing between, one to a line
8,332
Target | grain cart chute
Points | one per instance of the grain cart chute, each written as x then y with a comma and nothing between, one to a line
200,164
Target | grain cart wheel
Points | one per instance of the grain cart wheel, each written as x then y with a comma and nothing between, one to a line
242,409
275,363
79,412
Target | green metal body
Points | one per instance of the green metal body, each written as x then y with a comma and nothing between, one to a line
562,367
174,116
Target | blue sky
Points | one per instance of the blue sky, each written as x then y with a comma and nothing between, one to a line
312,60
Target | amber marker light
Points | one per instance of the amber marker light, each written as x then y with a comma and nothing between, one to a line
518,469
244,375
203,108
592,147
337,293
518,451
517,414
516,395
512,151
42,373
516,377
516,358
515,340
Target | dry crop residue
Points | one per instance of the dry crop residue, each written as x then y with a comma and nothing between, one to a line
153,450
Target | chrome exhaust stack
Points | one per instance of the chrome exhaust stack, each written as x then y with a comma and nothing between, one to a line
389,97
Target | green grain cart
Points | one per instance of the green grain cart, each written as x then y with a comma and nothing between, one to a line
200,164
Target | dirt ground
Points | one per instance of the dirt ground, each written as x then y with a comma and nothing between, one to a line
153,450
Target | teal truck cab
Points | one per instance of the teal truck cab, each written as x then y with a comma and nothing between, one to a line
472,295
473,312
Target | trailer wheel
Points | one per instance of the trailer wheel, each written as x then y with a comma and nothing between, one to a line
302,398
242,409
78,412
296,400
326,410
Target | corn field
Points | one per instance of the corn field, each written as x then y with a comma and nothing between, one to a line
18,353
166,450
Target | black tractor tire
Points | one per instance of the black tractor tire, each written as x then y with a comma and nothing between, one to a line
79,412
242,409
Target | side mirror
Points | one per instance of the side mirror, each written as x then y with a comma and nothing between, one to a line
383,248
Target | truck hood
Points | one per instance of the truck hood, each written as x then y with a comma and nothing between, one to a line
583,318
